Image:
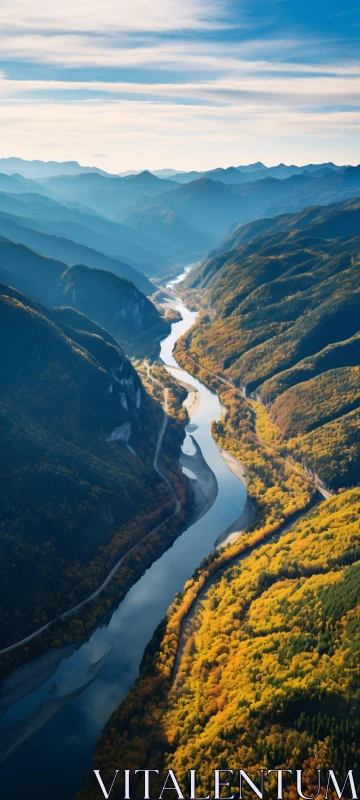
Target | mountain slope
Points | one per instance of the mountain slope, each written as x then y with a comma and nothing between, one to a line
37,271
17,184
66,489
328,222
285,324
115,304
108,299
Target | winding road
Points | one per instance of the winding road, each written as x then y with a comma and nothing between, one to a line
114,570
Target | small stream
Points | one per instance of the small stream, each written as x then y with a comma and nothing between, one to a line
57,723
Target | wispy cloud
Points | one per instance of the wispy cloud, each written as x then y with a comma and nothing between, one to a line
112,15
295,90
272,54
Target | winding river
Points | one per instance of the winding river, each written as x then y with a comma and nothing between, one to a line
57,723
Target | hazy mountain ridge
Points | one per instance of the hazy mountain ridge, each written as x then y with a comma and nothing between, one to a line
70,252
214,207
15,183
251,172
84,226
157,222
118,198
108,194
41,169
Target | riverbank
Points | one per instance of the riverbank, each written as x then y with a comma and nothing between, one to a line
202,481
240,526
248,515
192,401
29,676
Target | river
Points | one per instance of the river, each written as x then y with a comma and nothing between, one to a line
57,724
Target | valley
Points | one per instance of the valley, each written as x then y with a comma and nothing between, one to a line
180,472
180,400
123,637
118,645
238,667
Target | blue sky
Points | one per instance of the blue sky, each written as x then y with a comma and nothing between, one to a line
130,84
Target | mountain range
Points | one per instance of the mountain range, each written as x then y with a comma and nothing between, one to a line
71,253
43,169
156,223
82,225
213,207
107,194
252,172
264,669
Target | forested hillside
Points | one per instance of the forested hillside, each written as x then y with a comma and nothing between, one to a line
78,437
267,674
282,320
256,660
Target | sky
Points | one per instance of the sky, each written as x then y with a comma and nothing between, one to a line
188,84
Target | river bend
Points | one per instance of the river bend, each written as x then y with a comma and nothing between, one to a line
58,722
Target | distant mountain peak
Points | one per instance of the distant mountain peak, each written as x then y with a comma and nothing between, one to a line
145,175
251,167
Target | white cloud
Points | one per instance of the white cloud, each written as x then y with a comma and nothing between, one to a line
110,15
